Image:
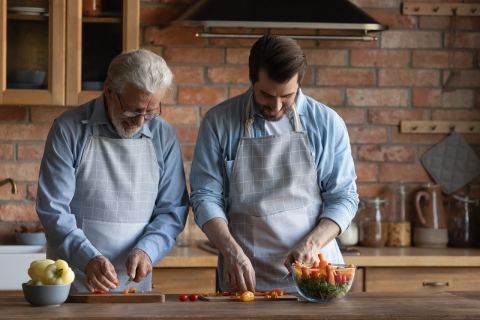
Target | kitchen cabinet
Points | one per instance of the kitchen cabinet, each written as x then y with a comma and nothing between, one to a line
71,50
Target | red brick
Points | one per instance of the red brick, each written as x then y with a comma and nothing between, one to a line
366,172
204,110
235,41
6,151
351,116
377,97
228,75
468,78
46,114
180,115
344,77
372,190
367,135
422,150
301,43
159,14
6,192
376,3
30,151
236,91
32,192
411,39
456,115
386,154
406,172
443,22
238,55
193,55
13,113
416,138
322,57
201,95
169,96
442,59
187,151
394,19
24,131
343,43
436,98
187,134
187,167
408,78
391,116
18,212
187,74
379,58
173,36
465,40
156,50
20,171
327,96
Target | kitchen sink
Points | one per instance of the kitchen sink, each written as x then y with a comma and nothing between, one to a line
14,264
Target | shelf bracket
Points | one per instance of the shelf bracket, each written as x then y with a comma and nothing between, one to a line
440,126
441,9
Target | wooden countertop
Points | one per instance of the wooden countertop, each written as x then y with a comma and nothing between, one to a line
438,305
369,257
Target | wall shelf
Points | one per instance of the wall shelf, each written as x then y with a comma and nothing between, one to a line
439,126
441,9
101,20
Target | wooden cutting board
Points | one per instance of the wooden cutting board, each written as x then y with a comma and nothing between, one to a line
115,297
212,297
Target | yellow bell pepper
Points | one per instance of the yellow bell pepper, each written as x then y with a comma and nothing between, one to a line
37,267
58,273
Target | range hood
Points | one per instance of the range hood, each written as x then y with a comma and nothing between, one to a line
282,14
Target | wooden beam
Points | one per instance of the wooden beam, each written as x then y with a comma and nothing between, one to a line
439,126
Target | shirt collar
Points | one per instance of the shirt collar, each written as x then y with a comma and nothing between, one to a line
300,101
100,116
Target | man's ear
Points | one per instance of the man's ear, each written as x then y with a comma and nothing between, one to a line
107,89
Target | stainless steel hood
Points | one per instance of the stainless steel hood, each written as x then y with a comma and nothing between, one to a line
282,14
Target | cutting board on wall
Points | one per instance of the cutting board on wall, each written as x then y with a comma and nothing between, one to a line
212,297
115,297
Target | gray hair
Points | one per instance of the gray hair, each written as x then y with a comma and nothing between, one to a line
146,70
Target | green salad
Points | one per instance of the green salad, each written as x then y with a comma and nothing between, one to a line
320,289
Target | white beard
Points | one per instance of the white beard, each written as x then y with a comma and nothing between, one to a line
126,133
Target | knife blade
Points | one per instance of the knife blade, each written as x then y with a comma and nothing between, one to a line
128,281
286,276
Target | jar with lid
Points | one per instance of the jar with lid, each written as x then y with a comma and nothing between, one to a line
373,227
399,227
462,230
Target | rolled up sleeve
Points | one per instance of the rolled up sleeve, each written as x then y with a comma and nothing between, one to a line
207,176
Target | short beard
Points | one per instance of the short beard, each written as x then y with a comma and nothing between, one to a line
262,110
117,124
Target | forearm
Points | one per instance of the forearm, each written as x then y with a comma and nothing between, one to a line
217,232
325,232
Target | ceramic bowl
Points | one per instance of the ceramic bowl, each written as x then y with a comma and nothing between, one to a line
45,295
31,239
26,77
315,287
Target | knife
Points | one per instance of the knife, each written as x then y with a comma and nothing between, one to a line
286,276
128,281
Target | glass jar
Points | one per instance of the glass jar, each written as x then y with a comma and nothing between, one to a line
462,230
373,227
399,227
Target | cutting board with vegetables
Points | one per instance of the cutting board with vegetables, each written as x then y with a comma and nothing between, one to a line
115,297
213,298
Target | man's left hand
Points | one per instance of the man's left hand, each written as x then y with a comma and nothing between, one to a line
138,265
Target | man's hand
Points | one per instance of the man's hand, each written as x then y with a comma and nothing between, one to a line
138,265
238,272
311,245
101,274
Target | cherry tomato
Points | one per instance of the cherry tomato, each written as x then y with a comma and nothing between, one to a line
183,297
193,297
227,294
247,296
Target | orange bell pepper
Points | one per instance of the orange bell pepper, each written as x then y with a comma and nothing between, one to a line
132,290
278,291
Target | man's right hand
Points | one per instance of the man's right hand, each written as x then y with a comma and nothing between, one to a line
101,274
238,272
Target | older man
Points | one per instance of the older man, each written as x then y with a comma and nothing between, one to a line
276,166
111,194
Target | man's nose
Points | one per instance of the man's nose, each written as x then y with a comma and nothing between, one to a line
277,105
139,120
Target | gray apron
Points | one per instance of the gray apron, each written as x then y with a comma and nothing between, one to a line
116,188
274,202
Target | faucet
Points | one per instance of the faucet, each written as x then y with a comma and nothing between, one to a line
14,185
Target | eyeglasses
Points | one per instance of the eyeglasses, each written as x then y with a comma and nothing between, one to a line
147,116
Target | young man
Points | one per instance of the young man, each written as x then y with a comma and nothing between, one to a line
272,178
111,193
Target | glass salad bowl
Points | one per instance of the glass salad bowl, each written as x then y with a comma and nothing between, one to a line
323,285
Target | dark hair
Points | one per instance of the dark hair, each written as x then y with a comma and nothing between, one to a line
281,57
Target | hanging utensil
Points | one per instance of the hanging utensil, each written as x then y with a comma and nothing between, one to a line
454,78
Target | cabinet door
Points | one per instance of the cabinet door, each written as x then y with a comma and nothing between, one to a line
421,279
32,67
93,42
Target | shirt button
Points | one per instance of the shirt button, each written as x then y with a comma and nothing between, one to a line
313,154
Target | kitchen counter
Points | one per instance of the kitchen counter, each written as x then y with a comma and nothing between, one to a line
407,305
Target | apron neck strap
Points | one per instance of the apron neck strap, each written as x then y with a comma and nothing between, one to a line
249,122
95,130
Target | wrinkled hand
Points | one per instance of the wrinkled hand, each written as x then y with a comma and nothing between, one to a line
101,274
138,265
307,251
238,272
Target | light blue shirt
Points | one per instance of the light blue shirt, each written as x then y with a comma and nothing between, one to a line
56,184
218,138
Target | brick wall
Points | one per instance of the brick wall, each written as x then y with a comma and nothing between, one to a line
372,85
